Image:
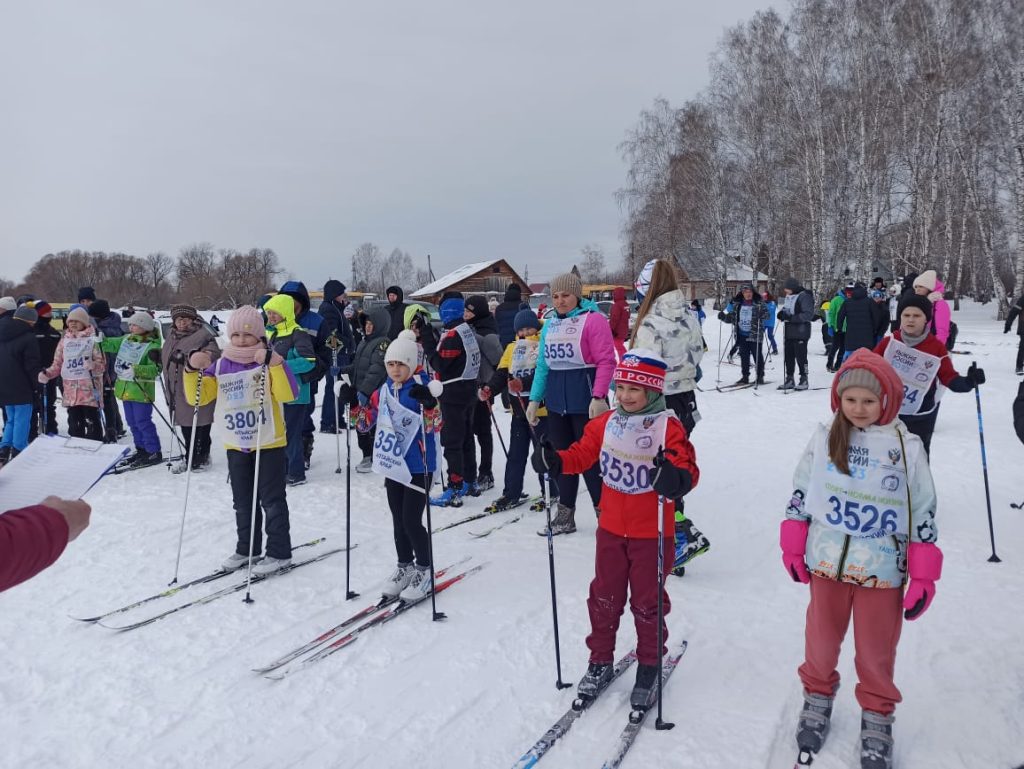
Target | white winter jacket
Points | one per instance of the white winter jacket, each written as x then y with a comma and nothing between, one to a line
673,332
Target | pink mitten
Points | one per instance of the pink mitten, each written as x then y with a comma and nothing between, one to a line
793,541
924,566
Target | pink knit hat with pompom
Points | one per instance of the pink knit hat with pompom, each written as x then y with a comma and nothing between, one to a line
862,367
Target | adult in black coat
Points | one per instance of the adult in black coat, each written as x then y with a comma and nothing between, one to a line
1017,311
797,313
48,338
396,309
341,346
862,320
478,316
505,315
20,364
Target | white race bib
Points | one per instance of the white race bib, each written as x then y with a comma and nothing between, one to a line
77,358
790,304
238,394
563,343
129,354
397,427
627,454
872,502
746,316
524,358
917,370
465,331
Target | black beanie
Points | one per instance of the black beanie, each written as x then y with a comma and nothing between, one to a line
86,293
478,305
913,300
513,293
792,284
99,309
333,289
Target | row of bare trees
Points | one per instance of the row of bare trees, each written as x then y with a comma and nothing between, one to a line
374,272
846,139
201,275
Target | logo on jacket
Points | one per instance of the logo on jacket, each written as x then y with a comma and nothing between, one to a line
648,421
895,455
406,421
891,482
644,442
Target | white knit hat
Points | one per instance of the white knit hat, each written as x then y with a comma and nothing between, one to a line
404,350
926,280
8,304
143,320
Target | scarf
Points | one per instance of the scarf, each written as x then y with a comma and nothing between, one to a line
243,355
912,341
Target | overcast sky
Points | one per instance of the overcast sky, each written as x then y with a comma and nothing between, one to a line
466,130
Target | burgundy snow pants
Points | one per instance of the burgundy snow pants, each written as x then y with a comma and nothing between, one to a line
877,622
622,564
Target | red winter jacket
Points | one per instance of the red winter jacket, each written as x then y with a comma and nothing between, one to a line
618,317
947,376
631,515
31,539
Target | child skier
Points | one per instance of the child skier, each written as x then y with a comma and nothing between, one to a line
403,404
515,374
366,374
860,522
80,364
647,462
923,363
136,368
295,345
247,375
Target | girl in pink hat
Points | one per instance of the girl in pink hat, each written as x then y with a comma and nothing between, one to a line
859,526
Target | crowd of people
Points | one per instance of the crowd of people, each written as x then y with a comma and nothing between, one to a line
589,395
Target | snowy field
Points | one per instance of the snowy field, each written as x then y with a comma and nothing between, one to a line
478,689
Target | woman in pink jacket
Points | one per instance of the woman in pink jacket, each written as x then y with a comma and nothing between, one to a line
80,364
928,284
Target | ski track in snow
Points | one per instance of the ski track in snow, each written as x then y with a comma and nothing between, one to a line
478,689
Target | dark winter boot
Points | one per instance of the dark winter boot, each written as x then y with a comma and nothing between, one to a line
594,680
645,688
812,729
563,523
145,458
875,740
485,481
5,454
307,449
745,379
789,384
802,384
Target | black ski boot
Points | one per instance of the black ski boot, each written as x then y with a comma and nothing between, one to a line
485,481
875,740
812,729
745,379
502,503
307,449
594,680
539,506
802,384
143,458
645,688
789,384
5,455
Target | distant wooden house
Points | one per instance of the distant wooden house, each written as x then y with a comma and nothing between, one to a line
697,279
487,278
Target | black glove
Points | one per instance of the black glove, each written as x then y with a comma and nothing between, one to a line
346,393
976,375
722,316
178,357
670,481
783,315
154,356
421,394
546,460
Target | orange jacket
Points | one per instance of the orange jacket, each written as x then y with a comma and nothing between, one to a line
631,515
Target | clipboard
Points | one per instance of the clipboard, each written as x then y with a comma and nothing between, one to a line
64,467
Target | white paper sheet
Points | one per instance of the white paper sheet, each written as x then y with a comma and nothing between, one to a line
64,467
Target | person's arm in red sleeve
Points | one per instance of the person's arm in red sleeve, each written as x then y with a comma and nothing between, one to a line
31,539
584,453
881,346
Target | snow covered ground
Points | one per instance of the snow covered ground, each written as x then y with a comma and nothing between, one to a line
478,689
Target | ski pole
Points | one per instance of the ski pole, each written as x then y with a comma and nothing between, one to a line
984,467
659,723
169,396
256,476
188,472
544,487
559,684
494,421
436,615
42,414
349,593
335,409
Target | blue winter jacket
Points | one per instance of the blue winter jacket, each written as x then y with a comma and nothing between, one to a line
769,321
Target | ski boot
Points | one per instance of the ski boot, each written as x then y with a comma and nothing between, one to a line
813,726
789,384
307,449
645,688
742,380
5,455
597,677
802,384
471,489
563,523
398,581
502,503
365,465
485,482
143,458
452,495
875,740
690,542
